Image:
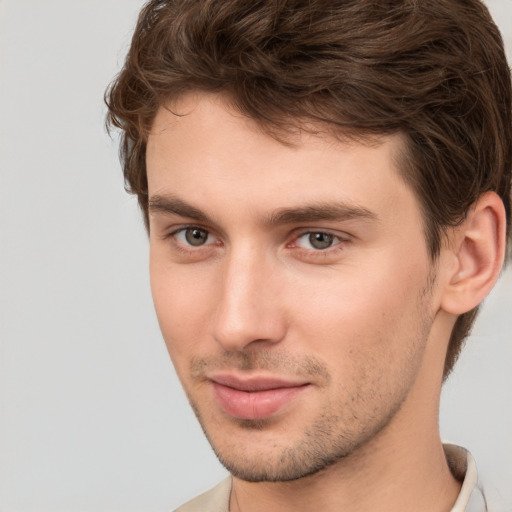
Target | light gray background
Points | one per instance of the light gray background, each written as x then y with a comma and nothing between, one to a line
92,417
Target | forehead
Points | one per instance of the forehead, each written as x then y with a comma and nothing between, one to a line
202,148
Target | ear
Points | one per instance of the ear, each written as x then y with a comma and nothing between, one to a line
477,251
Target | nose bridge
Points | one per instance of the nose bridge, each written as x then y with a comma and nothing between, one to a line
247,309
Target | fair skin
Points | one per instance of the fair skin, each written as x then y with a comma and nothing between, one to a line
302,311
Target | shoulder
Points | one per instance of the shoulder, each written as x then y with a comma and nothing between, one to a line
214,500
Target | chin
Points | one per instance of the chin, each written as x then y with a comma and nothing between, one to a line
280,465
254,454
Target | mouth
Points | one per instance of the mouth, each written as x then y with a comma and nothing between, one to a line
254,398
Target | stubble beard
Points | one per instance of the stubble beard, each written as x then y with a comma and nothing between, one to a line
337,432
320,446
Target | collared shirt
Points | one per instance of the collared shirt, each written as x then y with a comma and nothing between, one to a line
462,465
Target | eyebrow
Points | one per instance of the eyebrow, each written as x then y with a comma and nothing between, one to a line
175,206
331,211
320,211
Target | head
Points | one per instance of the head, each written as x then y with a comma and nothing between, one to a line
434,72
423,85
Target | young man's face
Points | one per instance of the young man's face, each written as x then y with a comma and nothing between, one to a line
292,284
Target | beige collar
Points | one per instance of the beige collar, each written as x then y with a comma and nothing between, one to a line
463,467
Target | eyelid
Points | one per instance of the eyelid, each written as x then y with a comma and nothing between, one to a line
341,236
329,255
175,230
307,236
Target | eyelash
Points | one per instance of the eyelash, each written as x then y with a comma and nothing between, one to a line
337,240
182,248
338,245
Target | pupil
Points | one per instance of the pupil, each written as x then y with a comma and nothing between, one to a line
321,240
196,236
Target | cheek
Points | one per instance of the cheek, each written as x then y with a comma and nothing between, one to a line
372,334
372,307
181,303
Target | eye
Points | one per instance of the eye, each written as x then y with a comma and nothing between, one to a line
194,237
317,240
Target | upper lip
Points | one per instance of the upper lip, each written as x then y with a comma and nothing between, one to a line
254,383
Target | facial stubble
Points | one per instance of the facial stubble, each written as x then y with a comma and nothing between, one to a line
337,431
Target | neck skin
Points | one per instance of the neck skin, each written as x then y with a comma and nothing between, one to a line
403,468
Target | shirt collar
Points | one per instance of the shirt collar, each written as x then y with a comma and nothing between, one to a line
463,467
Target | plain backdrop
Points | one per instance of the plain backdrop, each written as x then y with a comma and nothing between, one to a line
92,417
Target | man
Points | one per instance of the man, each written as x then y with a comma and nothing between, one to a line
326,187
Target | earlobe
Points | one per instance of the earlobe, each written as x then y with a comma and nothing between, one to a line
478,246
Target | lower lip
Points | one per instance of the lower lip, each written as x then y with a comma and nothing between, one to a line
254,405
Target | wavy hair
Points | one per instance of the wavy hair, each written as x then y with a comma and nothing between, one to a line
434,71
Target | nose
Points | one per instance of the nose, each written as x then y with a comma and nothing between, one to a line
249,309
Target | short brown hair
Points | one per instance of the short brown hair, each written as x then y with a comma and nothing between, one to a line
434,71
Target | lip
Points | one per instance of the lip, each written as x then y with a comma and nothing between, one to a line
254,398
